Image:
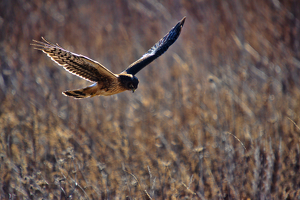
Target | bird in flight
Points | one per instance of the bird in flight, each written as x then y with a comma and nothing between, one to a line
106,83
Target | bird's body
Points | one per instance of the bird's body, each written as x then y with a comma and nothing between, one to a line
105,82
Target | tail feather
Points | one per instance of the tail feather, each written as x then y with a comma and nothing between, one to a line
89,91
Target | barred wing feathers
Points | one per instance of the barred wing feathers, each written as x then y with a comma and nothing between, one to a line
76,64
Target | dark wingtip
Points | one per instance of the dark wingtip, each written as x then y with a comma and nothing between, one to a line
157,50
182,21
180,24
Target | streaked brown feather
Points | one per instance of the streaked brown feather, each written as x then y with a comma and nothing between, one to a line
76,64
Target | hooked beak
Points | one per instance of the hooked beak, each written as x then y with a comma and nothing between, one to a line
133,90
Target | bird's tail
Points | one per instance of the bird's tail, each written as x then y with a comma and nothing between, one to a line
89,91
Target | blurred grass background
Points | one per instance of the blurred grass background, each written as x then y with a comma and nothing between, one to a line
216,117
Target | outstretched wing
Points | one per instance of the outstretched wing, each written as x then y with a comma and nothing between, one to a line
76,64
157,50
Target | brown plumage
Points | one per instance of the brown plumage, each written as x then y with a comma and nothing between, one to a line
105,82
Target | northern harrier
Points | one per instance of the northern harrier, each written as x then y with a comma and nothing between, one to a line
106,83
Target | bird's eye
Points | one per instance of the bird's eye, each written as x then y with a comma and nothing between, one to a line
130,86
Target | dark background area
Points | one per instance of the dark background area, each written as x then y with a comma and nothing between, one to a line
216,117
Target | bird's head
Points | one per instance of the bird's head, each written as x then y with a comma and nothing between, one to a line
129,82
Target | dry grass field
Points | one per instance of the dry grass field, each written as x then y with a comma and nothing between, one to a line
216,117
